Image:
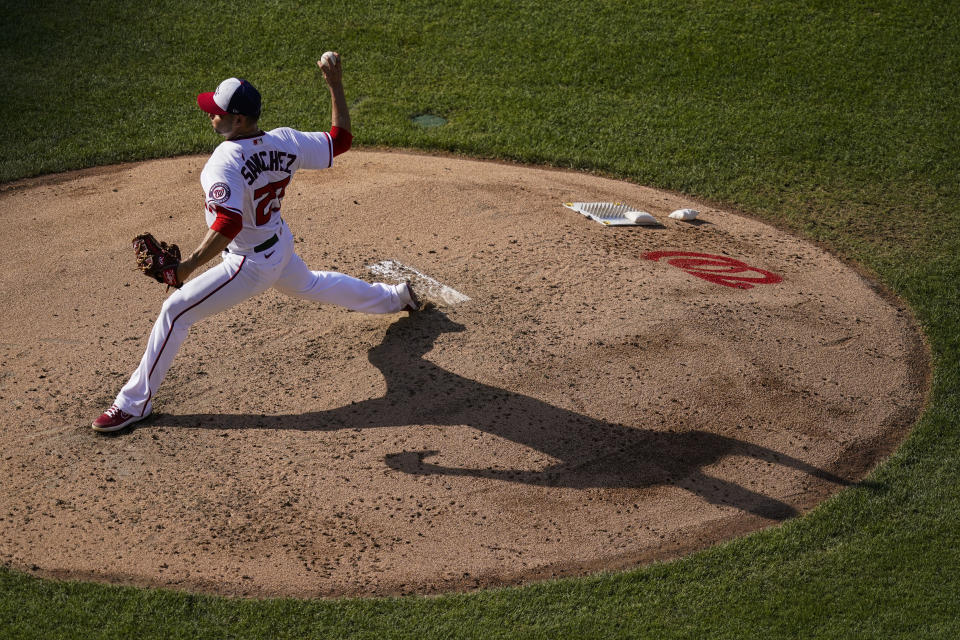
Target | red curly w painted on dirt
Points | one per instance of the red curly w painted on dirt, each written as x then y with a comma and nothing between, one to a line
720,270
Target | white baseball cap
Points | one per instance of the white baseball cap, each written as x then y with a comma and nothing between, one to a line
233,95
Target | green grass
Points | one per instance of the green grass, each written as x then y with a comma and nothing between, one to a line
836,120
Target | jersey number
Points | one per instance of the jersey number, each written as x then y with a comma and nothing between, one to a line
268,199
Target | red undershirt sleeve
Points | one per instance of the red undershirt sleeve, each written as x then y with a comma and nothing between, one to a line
228,222
341,140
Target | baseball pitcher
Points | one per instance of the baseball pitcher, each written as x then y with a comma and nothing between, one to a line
244,182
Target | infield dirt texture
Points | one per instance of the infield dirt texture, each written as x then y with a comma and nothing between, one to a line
596,404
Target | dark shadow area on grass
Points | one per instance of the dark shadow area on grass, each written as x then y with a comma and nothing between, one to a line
592,453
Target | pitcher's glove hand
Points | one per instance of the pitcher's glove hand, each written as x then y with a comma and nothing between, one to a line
157,259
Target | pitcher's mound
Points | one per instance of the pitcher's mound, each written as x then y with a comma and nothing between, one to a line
607,396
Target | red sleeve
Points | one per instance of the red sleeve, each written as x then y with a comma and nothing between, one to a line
341,140
228,222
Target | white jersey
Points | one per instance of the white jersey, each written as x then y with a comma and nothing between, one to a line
244,180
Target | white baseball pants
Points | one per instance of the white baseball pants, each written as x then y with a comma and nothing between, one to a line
233,281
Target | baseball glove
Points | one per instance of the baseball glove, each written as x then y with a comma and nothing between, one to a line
157,259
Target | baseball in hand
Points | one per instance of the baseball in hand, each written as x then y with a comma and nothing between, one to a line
329,59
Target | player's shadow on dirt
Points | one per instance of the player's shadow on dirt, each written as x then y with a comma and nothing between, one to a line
590,452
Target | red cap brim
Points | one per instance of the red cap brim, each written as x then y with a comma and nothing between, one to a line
206,102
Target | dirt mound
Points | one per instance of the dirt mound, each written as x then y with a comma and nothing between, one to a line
606,397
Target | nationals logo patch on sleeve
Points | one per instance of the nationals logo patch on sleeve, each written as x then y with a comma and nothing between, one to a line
219,192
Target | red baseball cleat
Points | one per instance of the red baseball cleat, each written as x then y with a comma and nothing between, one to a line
114,419
414,303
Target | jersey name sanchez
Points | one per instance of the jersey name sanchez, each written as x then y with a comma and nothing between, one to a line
244,182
